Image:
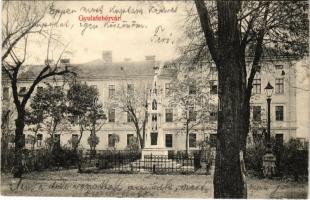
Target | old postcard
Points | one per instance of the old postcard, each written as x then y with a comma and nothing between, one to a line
169,99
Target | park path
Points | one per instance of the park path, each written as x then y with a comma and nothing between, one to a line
71,183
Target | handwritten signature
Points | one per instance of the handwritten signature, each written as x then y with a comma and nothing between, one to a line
161,36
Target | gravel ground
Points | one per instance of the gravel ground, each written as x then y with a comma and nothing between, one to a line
71,183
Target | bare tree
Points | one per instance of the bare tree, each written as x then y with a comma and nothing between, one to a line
133,101
20,21
190,95
233,31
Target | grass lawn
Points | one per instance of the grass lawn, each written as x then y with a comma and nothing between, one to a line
71,183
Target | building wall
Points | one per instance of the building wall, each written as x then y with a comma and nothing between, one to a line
121,127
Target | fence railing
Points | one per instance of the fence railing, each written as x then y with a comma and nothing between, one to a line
130,162
116,161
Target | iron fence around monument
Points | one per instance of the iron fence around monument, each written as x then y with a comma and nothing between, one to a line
131,162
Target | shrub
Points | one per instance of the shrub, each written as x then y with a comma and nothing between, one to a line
254,158
291,158
294,159
133,145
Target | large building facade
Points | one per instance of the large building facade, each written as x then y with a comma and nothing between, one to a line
111,77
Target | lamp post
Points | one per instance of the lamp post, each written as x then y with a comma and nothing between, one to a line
269,159
268,91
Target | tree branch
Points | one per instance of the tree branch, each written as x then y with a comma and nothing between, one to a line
207,29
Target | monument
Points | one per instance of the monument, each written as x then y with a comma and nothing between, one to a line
154,137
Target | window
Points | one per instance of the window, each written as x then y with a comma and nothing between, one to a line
74,140
191,68
279,113
93,86
29,140
213,115
129,117
256,86
169,115
39,140
111,115
111,142
57,88
111,91
192,114
213,69
168,89
192,140
279,139
169,140
22,91
154,136
213,140
302,141
130,89
279,66
192,88
279,86
130,139
39,89
257,113
213,87
5,93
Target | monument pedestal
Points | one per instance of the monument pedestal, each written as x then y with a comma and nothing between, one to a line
269,165
154,152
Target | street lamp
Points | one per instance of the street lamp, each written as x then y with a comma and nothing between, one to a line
269,160
268,91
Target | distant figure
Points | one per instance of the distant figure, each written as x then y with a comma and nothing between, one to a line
243,174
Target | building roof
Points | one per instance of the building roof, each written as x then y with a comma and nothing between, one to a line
100,69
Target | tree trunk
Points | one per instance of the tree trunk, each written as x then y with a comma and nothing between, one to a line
186,138
19,144
143,138
53,137
139,137
228,180
35,138
246,110
144,128
79,140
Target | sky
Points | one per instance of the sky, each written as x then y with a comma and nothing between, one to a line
134,43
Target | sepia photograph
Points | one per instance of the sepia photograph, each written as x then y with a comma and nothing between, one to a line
192,99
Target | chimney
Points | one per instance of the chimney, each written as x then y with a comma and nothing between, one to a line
107,56
49,62
65,61
127,59
150,58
